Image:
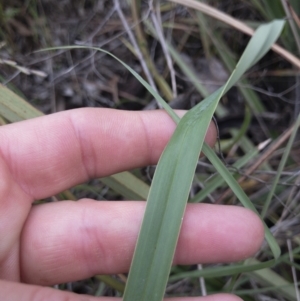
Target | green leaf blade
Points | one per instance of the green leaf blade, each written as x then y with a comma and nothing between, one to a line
165,207
154,270
14,108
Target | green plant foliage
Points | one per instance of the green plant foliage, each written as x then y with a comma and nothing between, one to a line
172,180
14,108
174,174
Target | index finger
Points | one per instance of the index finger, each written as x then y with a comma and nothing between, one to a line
49,154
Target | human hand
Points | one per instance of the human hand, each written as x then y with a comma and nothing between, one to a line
65,241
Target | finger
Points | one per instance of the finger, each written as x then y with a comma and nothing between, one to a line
16,291
12,291
14,207
68,241
58,151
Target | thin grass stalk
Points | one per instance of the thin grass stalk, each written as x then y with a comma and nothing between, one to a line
218,181
281,166
142,42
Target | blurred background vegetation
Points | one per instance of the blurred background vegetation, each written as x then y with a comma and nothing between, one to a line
264,105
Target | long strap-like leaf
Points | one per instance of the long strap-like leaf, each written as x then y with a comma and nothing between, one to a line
172,180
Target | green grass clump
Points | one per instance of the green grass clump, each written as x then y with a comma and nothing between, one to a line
278,173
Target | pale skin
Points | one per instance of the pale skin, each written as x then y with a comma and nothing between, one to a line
67,241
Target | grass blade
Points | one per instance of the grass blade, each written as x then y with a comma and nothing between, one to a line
14,108
166,204
172,181
281,166
224,271
128,185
